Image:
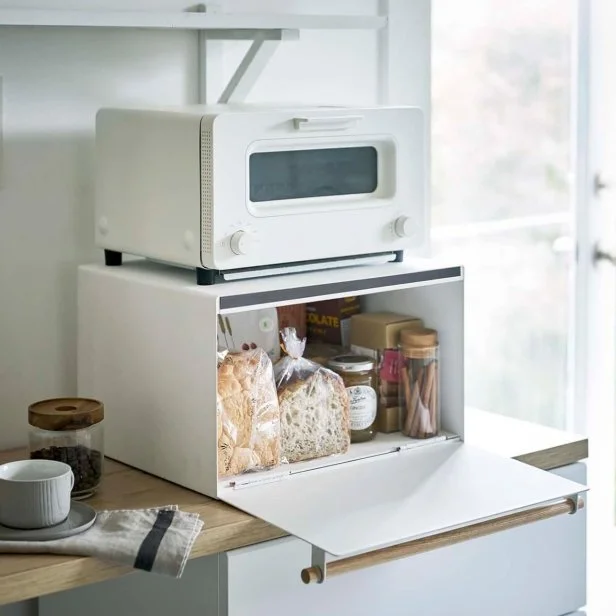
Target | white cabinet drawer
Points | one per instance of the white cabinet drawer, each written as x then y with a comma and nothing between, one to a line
534,570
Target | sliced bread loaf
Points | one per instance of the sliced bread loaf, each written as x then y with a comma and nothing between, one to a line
314,417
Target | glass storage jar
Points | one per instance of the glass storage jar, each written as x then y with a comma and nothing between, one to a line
360,379
70,430
419,383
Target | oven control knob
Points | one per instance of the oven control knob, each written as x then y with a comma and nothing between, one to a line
242,242
403,226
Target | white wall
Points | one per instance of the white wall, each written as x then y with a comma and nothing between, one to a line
54,80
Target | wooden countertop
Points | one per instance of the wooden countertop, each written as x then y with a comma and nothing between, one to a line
28,576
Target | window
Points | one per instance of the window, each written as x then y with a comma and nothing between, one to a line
502,203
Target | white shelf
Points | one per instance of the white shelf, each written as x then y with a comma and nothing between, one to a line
187,20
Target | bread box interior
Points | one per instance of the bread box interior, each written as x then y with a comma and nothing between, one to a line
148,344
438,302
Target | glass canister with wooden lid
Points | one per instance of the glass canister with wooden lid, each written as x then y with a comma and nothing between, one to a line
419,383
70,430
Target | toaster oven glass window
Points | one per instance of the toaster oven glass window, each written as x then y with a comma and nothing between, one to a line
301,174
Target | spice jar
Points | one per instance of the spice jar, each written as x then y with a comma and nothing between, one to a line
360,379
70,430
419,383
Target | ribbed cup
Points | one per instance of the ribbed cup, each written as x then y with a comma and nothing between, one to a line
35,493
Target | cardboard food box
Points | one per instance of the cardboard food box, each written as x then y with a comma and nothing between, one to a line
329,320
377,334
380,330
293,316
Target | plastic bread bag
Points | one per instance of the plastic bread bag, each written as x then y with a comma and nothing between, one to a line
314,404
248,415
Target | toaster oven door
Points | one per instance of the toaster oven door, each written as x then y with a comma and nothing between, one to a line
393,499
323,174
334,161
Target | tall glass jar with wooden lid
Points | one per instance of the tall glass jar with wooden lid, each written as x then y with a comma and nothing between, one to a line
419,383
70,430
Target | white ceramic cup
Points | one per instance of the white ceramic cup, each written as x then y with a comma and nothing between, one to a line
35,493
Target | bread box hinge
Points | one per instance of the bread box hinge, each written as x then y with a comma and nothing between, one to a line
269,477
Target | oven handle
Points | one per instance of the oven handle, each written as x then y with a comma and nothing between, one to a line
426,544
326,123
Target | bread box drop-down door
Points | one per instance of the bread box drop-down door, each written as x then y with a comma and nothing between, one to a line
361,512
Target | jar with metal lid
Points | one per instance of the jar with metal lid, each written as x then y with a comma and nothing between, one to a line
419,383
70,430
360,379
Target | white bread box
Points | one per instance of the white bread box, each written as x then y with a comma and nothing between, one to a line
147,347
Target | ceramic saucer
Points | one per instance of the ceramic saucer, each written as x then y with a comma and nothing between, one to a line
80,518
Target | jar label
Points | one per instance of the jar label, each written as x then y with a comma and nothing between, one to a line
363,406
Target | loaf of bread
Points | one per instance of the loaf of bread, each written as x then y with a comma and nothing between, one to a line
248,413
314,416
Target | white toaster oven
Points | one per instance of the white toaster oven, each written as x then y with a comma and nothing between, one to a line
245,191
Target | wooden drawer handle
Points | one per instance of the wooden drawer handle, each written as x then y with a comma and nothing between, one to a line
418,546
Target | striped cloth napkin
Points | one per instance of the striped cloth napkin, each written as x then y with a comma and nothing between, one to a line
157,540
